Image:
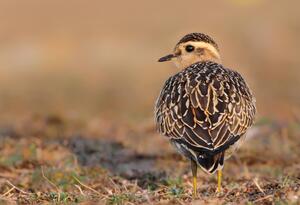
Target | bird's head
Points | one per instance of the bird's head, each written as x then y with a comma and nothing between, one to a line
192,48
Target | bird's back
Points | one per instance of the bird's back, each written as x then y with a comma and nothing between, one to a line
204,109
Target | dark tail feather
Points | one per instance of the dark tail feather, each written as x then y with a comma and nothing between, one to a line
210,163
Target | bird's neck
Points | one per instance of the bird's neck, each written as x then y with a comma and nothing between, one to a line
182,64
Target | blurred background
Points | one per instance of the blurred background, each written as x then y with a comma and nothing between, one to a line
94,59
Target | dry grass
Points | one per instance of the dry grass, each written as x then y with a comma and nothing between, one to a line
41,164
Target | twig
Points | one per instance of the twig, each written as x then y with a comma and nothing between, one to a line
3,195
115,185
124,185
80,190
263,198
50,182
259,188
108,191
86,186
20,190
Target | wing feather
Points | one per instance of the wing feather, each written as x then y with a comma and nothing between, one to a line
206,106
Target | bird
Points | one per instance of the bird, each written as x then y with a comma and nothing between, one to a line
206,108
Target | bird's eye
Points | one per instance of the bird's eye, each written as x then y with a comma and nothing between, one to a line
189,48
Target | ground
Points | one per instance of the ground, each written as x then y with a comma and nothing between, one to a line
51,159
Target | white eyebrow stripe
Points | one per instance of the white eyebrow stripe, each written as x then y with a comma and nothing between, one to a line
202,44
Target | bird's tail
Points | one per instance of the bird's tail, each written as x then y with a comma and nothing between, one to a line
211,163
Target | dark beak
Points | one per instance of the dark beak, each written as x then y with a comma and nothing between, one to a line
166,58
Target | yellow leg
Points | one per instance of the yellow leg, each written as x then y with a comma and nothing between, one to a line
194,171
219,180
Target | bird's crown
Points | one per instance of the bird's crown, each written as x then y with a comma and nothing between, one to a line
198,37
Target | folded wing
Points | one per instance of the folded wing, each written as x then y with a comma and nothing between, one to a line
205,107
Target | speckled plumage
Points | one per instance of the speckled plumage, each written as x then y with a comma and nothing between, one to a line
204,110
